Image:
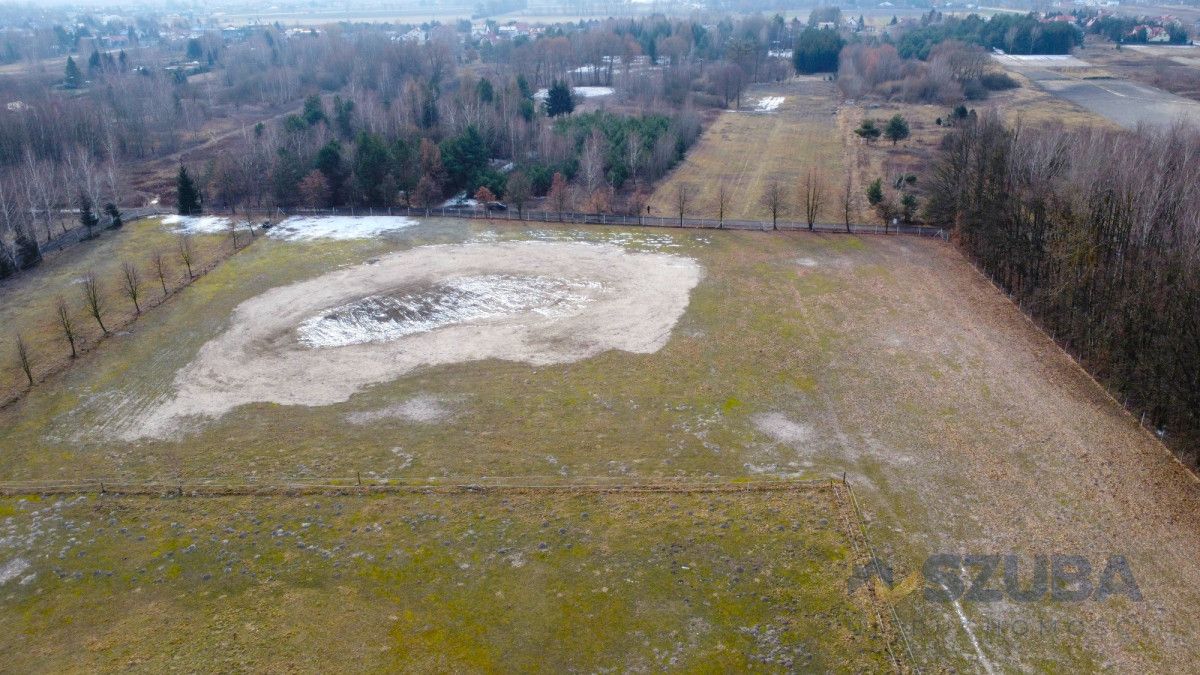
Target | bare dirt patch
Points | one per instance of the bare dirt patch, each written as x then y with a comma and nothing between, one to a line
419,409
319,341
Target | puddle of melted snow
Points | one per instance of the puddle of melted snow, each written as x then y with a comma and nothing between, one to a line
382,318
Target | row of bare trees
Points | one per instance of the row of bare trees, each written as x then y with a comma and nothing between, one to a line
1096,233
135,284
813,202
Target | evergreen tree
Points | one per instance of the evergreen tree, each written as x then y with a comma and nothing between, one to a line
314,112
484,90
87,218
559,101
329,163
371,163
73,78
875,192
94,63
465,157
868,130
194,50
189,197
896,129
114,216
817,51
28,253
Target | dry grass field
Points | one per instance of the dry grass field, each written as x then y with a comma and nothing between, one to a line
814,129
747,150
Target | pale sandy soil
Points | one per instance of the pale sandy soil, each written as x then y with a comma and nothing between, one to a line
617,300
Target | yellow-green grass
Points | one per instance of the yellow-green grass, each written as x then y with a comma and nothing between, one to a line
888,358
747,151
463,583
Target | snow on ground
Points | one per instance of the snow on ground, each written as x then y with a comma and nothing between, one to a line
300,228
307,228
768,103
586,92
12,569
197,224
382,318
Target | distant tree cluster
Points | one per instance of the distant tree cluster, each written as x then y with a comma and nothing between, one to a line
952,72
1096,233
817,51
1013,33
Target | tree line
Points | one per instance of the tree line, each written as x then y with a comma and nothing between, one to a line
1096,234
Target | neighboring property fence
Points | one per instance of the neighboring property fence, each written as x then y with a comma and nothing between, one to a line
578,218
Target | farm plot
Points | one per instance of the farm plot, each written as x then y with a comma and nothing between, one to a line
783,131
965,431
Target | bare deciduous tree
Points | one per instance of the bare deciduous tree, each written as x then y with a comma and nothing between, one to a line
186,253
131,282
773,200
160,270
23,359
814,197
683,197
847,200
95,303
66,323
723,198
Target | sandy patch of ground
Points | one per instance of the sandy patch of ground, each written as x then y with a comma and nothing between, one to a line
419,409
607,299
782,429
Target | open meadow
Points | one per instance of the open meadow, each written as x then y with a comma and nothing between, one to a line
429,354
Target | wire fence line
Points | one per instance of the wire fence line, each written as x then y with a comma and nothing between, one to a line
358,485
584,218
873,560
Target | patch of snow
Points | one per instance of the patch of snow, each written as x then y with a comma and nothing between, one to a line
592,92
12,569
197,224
586,92
383,318
769,104
308,228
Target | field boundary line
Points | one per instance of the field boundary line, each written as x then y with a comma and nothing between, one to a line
873,560
588,218
353,487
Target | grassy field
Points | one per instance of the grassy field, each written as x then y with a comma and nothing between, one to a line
962,428
748,150
437,583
